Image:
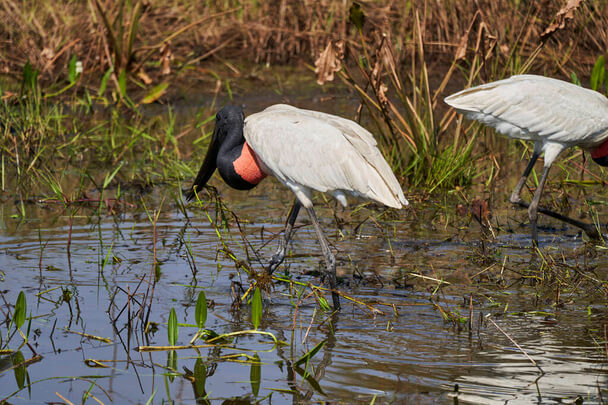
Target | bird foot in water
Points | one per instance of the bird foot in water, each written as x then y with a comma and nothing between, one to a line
330,275
518,201
592,232
275,262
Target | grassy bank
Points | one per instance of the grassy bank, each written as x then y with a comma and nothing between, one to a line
78,75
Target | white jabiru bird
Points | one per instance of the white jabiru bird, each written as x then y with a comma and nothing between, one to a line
305,150
553,114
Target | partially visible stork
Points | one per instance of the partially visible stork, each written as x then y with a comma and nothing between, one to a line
305,150
553,114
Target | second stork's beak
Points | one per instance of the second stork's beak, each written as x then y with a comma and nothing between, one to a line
207,168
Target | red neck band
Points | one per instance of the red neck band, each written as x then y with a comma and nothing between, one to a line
600,151
247,166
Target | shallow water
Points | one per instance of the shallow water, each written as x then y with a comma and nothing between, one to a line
96,275
410,354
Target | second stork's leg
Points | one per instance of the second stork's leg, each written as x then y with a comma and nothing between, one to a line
330,260
516,196
551,153
278,257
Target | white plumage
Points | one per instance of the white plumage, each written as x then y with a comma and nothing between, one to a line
309,150
553,114
306,150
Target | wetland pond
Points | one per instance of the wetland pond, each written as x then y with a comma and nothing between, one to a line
452,316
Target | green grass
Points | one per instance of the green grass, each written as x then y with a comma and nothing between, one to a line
60,149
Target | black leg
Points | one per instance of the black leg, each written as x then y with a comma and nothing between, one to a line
516,196
330,260
278,257
533,208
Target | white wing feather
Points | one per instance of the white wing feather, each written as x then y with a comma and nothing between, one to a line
311,150
539,109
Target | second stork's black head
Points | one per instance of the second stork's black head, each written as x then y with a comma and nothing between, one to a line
225,146
600,154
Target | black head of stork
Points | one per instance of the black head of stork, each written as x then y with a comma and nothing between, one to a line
229,153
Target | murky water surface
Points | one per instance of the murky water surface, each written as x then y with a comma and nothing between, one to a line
406,353
99,280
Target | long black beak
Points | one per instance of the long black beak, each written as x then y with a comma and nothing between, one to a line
207,168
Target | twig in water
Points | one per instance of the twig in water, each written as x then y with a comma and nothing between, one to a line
515,343
312,318
64,400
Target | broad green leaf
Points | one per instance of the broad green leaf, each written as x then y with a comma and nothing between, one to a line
356,16
172,327
310,353
255,375
200,313
156,93
30,76
19,371
256,308
20,310
72,75
598,73
172,364
200,377
104,81
122,83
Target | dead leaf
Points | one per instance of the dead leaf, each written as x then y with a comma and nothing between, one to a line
144,77
490,44
7,94
480,210
461,51
387,56
375,73
382,89
156,93
165,59
47,54
376,81
563,15
330,61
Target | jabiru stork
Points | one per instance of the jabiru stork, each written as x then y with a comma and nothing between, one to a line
305,150
553,114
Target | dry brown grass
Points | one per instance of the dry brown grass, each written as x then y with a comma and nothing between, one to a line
48,33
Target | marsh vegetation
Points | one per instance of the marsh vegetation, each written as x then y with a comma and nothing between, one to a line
114,290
